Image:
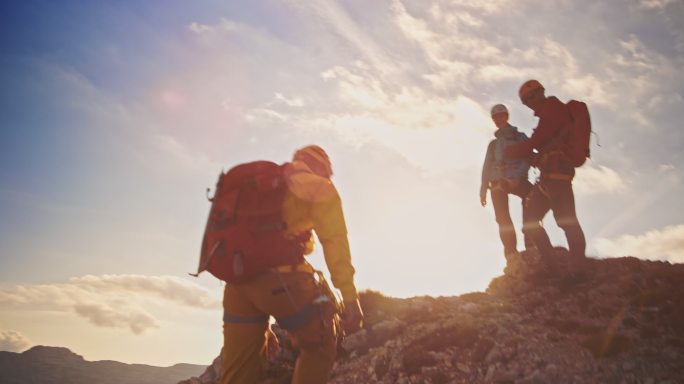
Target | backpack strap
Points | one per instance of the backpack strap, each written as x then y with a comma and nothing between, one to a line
235,319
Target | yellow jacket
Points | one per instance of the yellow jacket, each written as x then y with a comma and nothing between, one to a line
312,203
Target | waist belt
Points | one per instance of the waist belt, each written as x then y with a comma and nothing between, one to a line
301,267
506,184
558,176
291,322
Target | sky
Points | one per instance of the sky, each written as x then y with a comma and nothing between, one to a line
115,118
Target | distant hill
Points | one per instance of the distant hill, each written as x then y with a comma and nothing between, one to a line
554,321
55,365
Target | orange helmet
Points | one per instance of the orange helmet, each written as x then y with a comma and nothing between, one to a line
316,158
527,87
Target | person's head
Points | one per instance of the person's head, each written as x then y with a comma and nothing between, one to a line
500,115
532,94
316,159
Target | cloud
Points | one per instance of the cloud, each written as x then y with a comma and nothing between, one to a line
266,114
404,106
13,341
494,73
647,75
660,244
182,155
441,50
592,180
433,134
405,66
118,301
437,149
199,28
171,288
655,4
294,102
491,6
465,55
103,316
336,19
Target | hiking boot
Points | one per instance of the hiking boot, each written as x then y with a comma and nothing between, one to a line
510,256
513,263
530,256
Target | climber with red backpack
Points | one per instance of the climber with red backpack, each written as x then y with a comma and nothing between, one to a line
260,228
561,140
504,177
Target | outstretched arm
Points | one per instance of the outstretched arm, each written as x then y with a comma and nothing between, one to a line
331,230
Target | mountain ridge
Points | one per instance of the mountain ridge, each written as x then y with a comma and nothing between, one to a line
59,365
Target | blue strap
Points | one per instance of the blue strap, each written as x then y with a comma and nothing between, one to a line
297,319
291,322
233,319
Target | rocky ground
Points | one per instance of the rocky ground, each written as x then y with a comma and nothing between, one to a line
595,321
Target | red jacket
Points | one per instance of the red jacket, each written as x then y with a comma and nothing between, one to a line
553,116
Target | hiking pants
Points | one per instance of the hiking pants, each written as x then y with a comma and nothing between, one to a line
557,196
499,194
247,307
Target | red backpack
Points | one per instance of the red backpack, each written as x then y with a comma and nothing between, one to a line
245,231
577,144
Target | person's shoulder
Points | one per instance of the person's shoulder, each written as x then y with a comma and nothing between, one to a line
308,186
550,107
552,102
522,136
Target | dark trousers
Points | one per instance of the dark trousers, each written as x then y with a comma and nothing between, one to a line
557,196
499,193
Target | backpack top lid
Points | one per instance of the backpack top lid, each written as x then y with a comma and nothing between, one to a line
253,172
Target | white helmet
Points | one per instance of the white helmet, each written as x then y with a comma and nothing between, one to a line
499,108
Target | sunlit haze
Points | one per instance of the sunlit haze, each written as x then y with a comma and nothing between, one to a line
116,117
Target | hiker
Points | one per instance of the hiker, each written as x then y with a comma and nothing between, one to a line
293,293
504,177
553,191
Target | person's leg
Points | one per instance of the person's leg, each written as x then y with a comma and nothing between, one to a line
289,298
244,330
563,207
503,219
522,190
535,208
317,343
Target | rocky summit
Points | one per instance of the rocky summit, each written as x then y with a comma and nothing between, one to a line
553,320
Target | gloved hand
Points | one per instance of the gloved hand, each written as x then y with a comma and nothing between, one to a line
352,317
